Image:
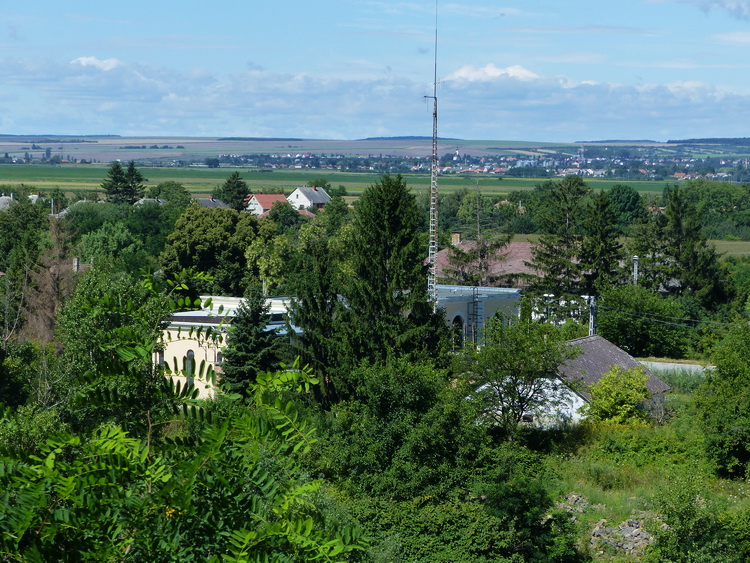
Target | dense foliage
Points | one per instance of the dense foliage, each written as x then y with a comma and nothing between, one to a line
385,441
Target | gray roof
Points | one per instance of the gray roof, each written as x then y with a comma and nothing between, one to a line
315,195
597,357
211,202
145,200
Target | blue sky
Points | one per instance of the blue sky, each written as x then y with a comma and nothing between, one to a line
549,70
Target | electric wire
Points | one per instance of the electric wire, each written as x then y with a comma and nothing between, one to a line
653,319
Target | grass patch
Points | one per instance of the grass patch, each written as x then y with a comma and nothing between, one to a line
622,469
682,380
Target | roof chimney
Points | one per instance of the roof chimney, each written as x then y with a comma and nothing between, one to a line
455,238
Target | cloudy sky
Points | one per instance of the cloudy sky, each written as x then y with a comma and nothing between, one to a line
537,70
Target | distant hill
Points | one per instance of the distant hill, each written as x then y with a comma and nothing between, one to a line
55,138
620,141
283,139
408,138
713,141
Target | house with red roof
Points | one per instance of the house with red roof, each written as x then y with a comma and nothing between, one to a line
258,204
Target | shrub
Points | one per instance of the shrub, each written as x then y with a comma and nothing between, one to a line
617,396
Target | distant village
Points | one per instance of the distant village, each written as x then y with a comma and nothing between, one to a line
658,162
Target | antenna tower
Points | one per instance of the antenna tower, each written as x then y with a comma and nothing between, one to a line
433,242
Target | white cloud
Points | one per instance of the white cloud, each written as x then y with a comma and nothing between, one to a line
487,102
106,64
737,8
735,37
490,72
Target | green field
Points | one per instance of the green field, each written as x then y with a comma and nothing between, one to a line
201,181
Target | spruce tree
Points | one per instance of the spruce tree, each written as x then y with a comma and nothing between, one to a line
316,308
114,184
233,191
252,347
695,263
556,256
601,252
388,309
649,243
123,185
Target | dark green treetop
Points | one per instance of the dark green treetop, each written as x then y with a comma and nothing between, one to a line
123,185
601,251
386,290
556,254
627,205
233,191
252,347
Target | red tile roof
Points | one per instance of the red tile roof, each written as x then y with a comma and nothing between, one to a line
511,262
266,201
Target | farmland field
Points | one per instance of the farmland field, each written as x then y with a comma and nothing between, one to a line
200,180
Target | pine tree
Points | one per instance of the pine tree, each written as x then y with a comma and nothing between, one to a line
601,252
233,191
316,307
386,294
695,263
123,185
114,184
252,347
557,254
649,243
134,186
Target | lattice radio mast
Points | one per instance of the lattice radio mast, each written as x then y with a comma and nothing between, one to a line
432,249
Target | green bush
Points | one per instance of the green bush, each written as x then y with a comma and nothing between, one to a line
617,396
694,532
724,404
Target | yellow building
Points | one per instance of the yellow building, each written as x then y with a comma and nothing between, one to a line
193,340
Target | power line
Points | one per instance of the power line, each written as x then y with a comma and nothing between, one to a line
653,319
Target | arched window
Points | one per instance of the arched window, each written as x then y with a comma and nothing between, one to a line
190,366
457,332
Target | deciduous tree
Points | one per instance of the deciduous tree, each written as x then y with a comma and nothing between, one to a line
642,322
212,241
724,404
515,372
